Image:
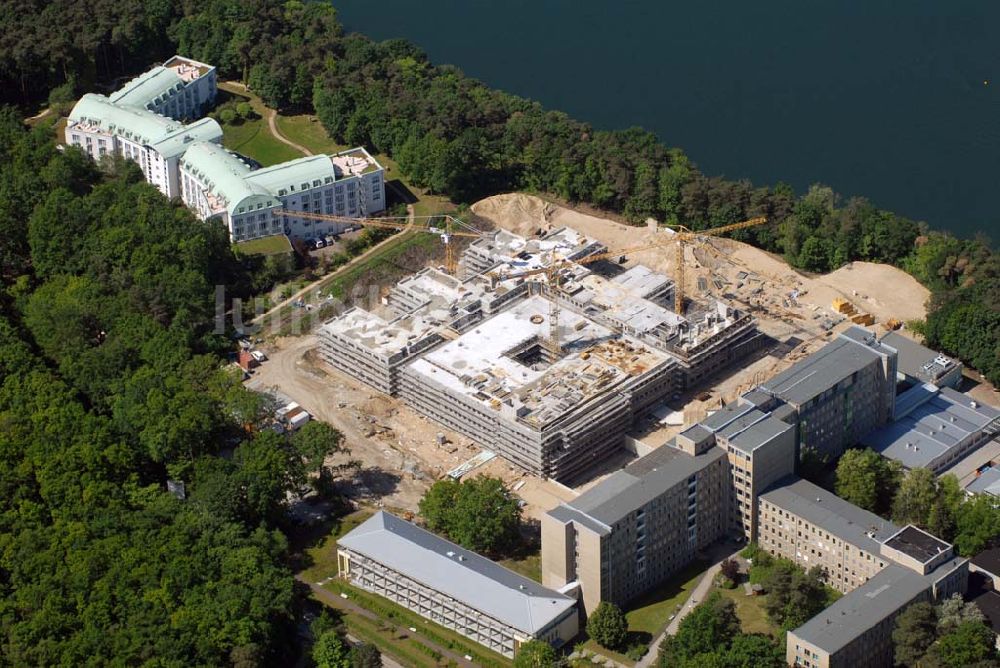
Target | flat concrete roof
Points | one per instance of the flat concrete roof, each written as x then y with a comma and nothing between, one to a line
863,608
745,426
917,544
940,421
457,572
383,336
829,365
482,364
648,477
831,513
918,361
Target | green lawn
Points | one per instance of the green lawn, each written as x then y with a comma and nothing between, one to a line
649,614
306,130
750,610
398,615
403,646
266,245
529,566
322,557
254,139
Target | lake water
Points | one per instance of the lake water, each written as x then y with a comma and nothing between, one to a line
892,100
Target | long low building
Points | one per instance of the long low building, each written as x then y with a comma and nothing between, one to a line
934,428
454,587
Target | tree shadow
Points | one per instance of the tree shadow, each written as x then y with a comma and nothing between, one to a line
369,483
399,193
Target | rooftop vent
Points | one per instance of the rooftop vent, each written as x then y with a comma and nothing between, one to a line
451,553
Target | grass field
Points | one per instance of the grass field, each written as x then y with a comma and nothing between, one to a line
529,566
750,610
254,139
266,245
306,130
322,557
398,615
649,614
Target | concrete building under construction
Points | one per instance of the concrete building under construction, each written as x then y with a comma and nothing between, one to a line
549,376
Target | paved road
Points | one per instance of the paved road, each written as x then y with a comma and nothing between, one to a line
698,595
360,258
327,597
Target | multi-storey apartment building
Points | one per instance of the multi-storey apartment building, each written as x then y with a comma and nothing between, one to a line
257,203
856,631
805,523
138,122
454,587
759,440
639,526
839,393
181,88
156,143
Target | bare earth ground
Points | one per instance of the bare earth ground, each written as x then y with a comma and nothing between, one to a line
397,447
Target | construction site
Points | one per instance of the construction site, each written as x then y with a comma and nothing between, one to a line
545,351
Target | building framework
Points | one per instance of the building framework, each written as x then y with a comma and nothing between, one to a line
549,377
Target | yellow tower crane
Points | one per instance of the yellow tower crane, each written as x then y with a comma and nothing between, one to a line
403,223
553,271
683,236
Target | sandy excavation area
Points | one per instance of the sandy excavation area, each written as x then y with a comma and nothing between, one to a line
882,290
398,449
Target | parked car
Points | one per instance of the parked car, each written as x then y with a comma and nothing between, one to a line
319,243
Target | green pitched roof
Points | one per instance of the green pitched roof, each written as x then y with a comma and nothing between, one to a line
168,137
149,88
225,176
289,176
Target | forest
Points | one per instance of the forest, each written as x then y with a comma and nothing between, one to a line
456,136
112,382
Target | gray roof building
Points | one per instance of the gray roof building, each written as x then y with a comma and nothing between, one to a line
835,515
805,380
645,479
934,428
921,364
868,606
457,572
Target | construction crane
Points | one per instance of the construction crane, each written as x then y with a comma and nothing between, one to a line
419,224
684,235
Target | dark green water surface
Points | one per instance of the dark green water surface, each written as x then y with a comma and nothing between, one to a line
892,100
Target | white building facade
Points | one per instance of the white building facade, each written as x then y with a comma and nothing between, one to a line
140,122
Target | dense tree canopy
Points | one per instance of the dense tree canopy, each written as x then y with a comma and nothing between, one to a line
607,626
111,383
867,479
456,136
479,513
536,654
710,636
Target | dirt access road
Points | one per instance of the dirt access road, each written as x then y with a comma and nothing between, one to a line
388,473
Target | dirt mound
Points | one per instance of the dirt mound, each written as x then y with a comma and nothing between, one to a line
882,290
521,214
